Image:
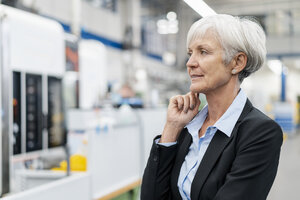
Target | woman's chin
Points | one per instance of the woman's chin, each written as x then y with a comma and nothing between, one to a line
195,89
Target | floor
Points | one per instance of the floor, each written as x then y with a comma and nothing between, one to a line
132,195
287,182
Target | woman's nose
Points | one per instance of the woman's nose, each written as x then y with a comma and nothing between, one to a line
191,63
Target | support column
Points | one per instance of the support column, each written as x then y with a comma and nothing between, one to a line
283,84
76,17
132,38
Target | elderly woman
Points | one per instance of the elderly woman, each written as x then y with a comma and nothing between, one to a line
229,150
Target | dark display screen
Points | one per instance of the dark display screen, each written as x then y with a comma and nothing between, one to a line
34,113
16,113
56,126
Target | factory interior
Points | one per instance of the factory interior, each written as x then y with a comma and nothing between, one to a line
85,87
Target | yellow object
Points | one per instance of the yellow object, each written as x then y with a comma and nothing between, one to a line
284,136
269,110
77,162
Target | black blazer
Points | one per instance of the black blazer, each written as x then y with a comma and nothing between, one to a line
240,167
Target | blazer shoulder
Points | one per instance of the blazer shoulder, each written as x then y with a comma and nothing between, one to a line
256,126
257,118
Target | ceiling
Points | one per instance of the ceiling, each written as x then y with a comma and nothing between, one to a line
252,7
158,7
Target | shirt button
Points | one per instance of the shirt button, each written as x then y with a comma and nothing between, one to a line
155,158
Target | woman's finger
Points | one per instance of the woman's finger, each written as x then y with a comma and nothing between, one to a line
186,105
192,100
197,100
180,102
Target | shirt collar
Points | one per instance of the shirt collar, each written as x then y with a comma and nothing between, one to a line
227,121
197,122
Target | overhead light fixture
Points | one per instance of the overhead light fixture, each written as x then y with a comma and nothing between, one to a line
169,25
171,16
200,7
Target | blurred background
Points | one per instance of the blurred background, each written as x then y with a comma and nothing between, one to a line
85,85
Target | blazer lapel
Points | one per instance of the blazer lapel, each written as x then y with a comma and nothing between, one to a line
212,154
214,150
182,151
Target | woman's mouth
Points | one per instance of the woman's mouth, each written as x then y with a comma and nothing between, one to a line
196,76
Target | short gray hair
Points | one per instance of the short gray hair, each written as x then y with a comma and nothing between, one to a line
235,35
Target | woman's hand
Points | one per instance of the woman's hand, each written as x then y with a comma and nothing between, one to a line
181,111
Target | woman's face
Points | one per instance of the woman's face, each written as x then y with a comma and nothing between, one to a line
205,65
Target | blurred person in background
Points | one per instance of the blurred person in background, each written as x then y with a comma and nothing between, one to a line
229,150
129,97
126,91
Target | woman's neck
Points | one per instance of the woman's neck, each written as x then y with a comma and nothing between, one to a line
220,99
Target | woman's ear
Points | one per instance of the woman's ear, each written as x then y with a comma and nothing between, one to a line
240,63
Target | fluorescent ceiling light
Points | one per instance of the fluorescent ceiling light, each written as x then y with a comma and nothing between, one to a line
171,16
167,26
200,7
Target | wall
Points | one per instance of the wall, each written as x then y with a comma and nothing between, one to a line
264,86
109,24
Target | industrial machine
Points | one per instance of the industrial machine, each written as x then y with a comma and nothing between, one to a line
32,68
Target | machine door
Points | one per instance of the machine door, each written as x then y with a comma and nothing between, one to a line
34,113
56,125
17,113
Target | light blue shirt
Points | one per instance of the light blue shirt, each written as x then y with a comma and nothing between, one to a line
199,145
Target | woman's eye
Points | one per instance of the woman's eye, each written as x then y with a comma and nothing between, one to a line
203,52
189,54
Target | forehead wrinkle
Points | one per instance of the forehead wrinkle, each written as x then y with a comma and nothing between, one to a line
206,42
202,31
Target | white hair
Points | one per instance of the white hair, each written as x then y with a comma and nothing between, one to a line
235,35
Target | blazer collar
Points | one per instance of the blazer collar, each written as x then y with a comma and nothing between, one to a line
212,154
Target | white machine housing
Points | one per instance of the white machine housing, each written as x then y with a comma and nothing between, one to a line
92,72
36,44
